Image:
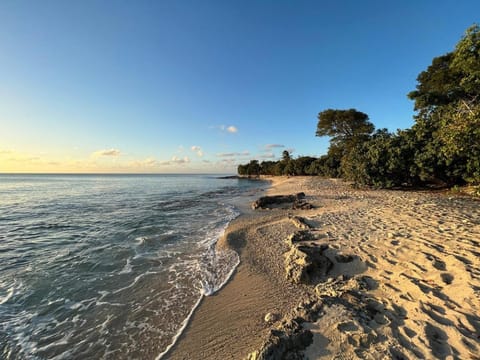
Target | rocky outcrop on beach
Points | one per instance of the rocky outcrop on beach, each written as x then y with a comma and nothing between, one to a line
306,264
299,222
294,201
285,342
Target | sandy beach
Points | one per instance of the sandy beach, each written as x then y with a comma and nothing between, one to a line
362,275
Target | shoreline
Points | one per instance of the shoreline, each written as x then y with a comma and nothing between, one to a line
247,281
404,279
243,206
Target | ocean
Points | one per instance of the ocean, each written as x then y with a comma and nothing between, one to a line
109,266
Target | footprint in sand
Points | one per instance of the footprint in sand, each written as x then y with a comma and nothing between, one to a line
397,354
437,339
447,278
436,262
439,265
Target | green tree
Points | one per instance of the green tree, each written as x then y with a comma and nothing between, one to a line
447,101
347,130
344,126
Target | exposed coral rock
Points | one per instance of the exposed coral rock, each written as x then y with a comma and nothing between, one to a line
299,222
299,236
305,264
295,201
286,342
271,317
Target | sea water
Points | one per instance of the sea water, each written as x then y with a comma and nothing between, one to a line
108,266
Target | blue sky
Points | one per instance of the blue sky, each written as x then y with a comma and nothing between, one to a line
200,86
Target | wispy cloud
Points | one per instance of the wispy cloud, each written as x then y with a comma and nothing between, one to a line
106,152
179,161
233,154
273,146
232,129
198,150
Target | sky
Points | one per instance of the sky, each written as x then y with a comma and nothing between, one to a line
187,86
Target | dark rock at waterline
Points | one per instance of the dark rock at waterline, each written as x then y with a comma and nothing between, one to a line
294,201
229,177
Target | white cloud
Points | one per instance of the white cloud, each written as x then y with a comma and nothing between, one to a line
106,152
198,150
178,161
226,155
232,129
272,146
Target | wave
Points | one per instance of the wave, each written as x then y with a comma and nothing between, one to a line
208,288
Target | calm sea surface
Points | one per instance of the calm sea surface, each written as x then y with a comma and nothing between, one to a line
109,266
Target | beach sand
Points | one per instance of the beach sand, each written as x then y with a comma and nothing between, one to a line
396,275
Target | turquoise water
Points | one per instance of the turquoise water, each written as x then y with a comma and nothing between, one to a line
108,266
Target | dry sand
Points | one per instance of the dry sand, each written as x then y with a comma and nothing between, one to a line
405,281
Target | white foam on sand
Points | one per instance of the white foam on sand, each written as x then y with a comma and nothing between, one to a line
205,291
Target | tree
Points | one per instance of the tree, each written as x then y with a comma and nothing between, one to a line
447,101
347,129
466,60
344,126
286,156
253,168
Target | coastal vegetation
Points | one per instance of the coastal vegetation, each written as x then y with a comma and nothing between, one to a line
441,148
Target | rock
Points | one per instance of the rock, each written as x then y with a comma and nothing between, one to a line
375,306
380,319
287,342
299,222
271,317
368,283
304,264
308,310
295,201
299,236
302,205
264,201
341,258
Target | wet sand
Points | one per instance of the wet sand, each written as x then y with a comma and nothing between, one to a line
403,279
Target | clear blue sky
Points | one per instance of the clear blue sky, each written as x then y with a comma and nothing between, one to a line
199,86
